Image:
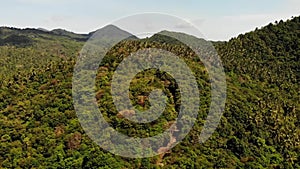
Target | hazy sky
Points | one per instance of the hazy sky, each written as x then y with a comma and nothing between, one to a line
216,19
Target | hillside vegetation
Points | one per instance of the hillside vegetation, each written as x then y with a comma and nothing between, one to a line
260,127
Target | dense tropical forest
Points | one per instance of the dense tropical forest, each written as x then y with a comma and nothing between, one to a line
260,127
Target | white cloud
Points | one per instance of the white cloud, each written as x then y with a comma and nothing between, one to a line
183,25
58,19
226,27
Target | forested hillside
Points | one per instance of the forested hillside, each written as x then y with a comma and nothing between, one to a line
260,127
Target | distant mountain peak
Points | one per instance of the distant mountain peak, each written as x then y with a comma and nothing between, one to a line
61,31
111,32
43,29
110,26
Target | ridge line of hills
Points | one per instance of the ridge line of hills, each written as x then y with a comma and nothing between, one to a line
85,36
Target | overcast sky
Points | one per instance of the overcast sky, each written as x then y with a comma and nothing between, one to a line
216,19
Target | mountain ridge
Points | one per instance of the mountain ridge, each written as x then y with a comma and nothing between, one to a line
85,36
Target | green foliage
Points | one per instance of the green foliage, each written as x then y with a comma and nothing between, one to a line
260,127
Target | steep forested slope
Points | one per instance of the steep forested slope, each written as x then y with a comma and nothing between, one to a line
259,129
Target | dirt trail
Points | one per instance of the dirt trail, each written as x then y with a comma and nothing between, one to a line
165,150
